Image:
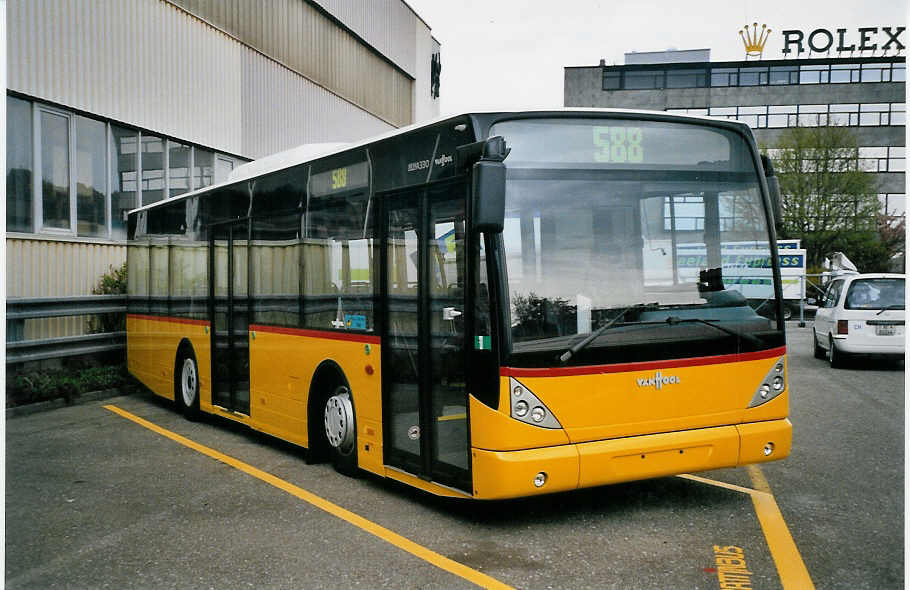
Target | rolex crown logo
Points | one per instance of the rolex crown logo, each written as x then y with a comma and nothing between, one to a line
754,40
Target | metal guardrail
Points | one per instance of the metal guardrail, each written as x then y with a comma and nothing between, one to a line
19,309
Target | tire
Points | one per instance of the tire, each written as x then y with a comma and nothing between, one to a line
820,353
836,358
186,386
341,430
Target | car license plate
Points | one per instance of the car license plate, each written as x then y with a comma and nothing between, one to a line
885,330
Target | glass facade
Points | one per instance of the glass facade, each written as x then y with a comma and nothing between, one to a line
699,77
808,115
91,178
55,170
19,169
88,173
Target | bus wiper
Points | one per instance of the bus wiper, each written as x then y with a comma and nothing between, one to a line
673,320
890,307
569,353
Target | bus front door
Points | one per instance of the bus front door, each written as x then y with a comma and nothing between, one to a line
425,397
229,315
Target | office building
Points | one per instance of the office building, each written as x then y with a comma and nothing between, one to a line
113,104
866,94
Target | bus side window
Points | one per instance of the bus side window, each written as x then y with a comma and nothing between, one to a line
338,263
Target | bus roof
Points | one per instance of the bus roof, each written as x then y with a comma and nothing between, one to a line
313,151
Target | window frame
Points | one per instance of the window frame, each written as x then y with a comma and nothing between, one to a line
37,195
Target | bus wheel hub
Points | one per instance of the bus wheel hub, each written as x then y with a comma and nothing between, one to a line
339,422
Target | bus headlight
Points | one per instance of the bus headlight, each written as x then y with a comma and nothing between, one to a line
773,384
521,408
527,408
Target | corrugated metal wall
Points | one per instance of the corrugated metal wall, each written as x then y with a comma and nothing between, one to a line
146,63
387,25
46,268
298,35
282,109
151,64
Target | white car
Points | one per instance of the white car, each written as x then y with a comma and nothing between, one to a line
860,314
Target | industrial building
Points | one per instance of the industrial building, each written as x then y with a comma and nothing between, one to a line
114,104
867,94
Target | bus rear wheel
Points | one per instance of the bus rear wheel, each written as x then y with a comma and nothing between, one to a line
186,389
341,430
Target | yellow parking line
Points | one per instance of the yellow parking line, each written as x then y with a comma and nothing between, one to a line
383,533
787,559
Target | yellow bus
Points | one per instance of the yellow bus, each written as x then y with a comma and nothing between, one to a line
490,305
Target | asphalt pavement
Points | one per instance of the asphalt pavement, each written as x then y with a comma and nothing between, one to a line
95,499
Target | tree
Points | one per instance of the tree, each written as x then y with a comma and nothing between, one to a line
827,201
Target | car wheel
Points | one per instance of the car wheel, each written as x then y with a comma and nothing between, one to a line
819,351
187,387
836,358
341,430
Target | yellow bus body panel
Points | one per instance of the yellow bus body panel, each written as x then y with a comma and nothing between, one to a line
282,365
616,430
151,349
610,405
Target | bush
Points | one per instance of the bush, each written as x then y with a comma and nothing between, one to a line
33,386
114,282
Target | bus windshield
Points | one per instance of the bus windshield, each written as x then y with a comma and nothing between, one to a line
656,228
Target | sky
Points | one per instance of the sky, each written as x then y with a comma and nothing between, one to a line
508,54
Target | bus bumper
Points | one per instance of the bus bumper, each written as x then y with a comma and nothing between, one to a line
510,474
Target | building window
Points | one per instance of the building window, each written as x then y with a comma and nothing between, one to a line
611,81
203,168
87,173
843,114
897,162
810,74
644,79
873,114
686,78
898,72
152,159
753,76
178,168
124,145
55,170
893,204
784,75
813,115
19,207
91,178
898,114
880,72
724,77
844,73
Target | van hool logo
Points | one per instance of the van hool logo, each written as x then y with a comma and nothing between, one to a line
658,380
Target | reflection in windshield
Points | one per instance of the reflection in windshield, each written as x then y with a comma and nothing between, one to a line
587,242
875,294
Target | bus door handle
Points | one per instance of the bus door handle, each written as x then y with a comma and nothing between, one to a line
450,313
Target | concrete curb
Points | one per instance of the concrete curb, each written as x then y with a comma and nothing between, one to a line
54,404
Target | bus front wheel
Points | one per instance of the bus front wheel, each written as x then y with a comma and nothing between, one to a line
341,430
187,385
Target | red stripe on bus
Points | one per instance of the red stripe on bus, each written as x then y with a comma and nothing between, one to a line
326,334
643,366
165,318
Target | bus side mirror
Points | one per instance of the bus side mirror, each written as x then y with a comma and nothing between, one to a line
773,186
488,187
